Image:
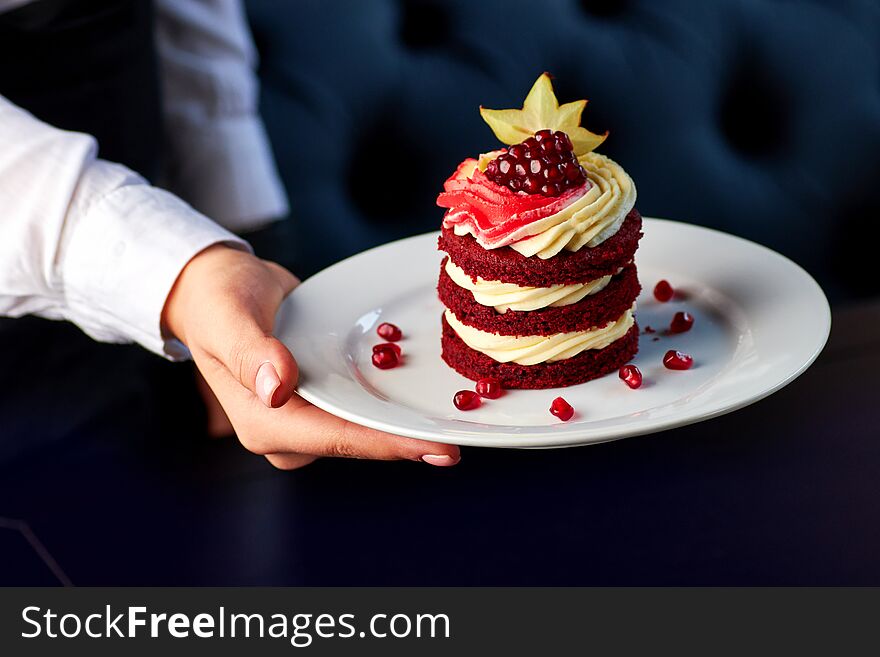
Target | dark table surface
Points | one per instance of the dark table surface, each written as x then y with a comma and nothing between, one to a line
786,491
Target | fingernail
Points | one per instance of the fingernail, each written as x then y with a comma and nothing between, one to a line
267,383
442,461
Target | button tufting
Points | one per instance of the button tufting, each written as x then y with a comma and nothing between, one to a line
383,184
605,8
753,112
424,24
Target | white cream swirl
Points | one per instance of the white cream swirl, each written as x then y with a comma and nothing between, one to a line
509,296
588,221
534,349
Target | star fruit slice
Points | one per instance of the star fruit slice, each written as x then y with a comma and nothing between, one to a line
541,111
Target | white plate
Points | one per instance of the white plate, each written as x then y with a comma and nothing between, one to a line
760,321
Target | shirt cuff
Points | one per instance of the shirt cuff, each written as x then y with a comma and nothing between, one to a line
124,255
225,169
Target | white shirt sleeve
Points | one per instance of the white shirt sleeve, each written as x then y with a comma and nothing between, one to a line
219,158
87,240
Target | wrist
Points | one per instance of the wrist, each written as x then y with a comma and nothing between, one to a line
181,297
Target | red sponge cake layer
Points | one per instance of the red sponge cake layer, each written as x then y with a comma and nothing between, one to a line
598,309
567,267
587,365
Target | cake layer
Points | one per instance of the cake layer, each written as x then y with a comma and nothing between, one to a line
534,349
594,310
506,265
509,296
587,365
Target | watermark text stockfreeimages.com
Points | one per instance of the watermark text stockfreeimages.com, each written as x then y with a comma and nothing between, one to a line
301,629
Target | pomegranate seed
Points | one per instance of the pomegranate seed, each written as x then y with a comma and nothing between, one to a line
648,329
387,346
564,142
553,174
547,158
675,360
562,409
631,376
385,359
490,388
681,323
466,400
532,185
663,291
389,332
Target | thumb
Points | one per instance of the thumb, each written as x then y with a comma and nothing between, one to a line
259,361
263,365
271,372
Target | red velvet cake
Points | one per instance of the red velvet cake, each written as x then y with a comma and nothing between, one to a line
540,280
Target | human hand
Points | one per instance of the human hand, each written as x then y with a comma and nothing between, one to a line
223,307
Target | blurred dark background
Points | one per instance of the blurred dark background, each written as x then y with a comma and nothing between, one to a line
758,117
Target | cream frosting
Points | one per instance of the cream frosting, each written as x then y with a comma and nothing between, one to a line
535,349
509,296
587,221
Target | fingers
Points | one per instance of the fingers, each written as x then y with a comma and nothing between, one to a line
322,434
218,424
290,461
299,428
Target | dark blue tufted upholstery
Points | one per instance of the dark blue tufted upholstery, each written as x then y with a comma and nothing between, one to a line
758,117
